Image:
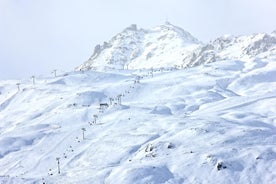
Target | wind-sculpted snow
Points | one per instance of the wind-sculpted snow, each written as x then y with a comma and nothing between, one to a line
214,123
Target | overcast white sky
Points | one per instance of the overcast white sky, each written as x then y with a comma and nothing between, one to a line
37,36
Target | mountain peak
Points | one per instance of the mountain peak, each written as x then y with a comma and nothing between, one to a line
169,27
161,46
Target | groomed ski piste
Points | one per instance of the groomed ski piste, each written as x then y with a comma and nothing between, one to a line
214,123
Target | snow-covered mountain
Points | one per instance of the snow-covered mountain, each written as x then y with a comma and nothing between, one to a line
134,48
168,124
170,46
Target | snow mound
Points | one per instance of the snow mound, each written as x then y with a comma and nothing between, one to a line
90,97
164,110
145,174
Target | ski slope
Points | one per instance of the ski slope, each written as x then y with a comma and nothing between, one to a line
214,123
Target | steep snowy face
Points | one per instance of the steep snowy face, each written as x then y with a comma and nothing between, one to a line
262,43
163,46
234,47
170,46
245,46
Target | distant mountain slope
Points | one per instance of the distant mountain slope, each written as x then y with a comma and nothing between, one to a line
170,46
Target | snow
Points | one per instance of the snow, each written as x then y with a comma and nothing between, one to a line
174,126
211,123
